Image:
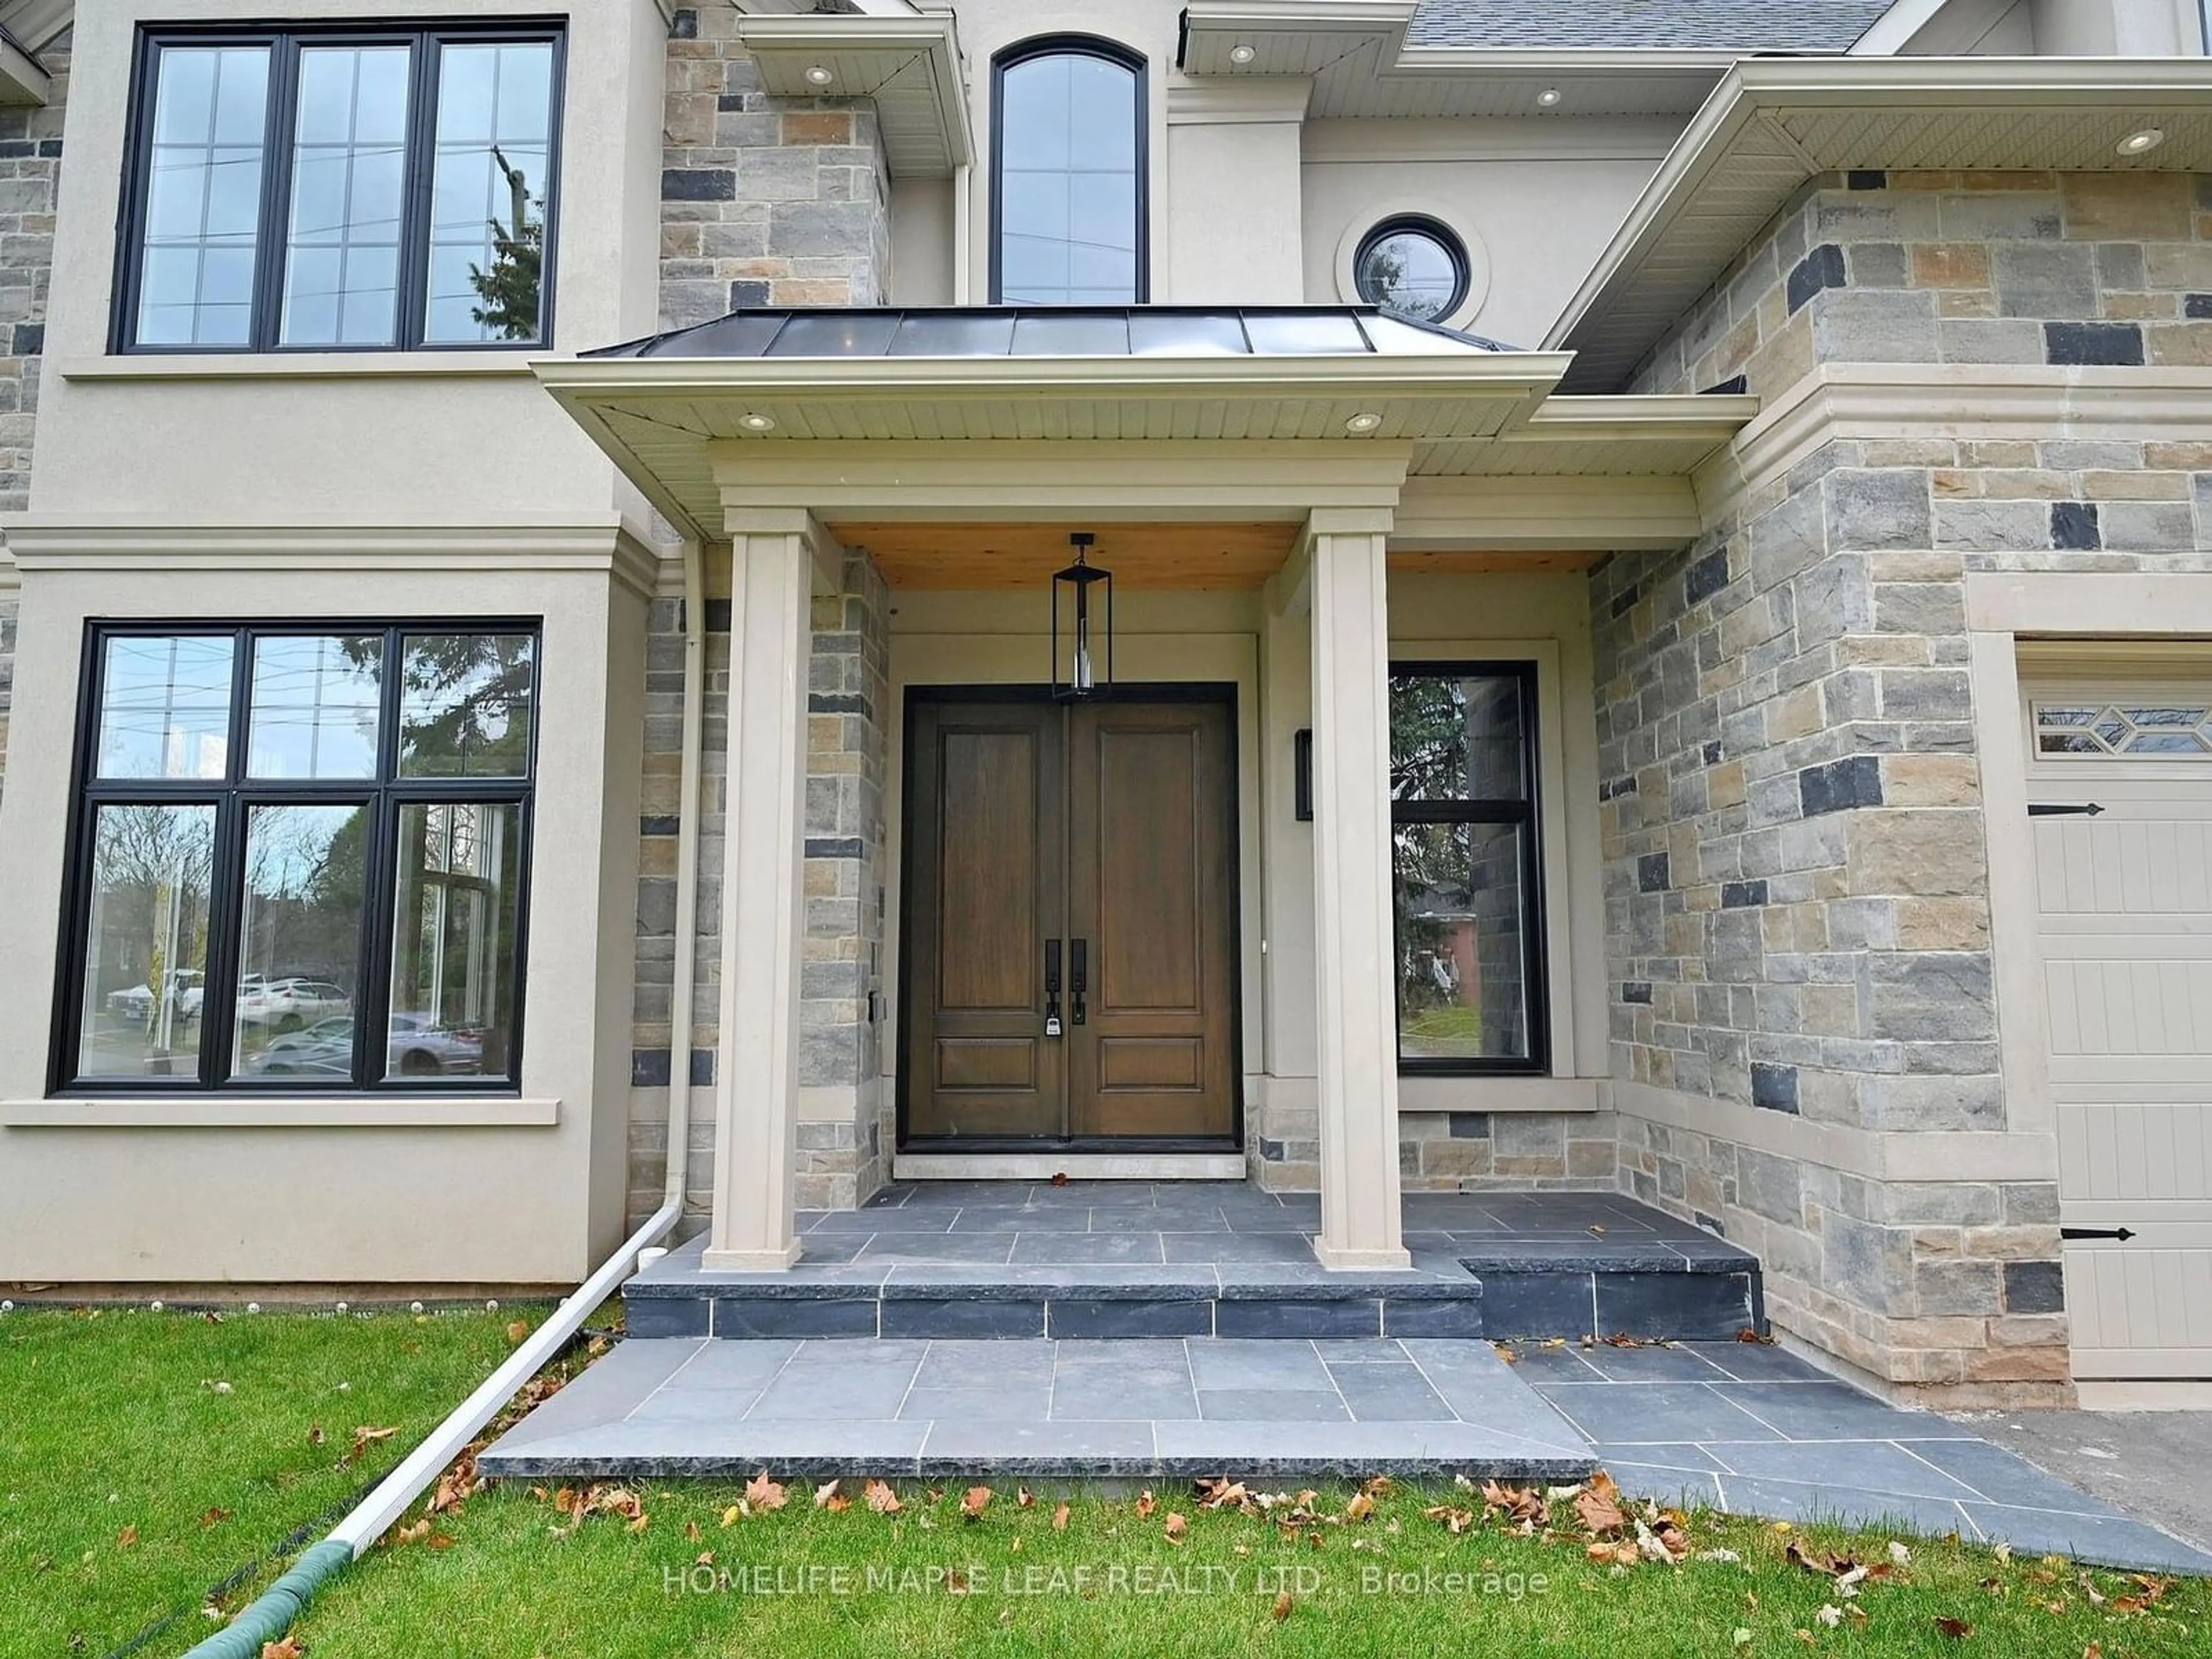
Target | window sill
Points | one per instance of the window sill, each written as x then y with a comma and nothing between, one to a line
1430,1092
302,364
294,1112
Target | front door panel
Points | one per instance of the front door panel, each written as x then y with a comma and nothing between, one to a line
988,876
1151,894
1101,835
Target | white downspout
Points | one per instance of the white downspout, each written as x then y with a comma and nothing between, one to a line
963,258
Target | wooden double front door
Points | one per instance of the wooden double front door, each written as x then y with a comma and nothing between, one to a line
1070,920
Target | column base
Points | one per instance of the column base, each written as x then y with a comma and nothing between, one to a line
1344,1259
751,1261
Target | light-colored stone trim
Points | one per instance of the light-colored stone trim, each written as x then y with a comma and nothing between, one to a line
303,1112
425,365
1497,1094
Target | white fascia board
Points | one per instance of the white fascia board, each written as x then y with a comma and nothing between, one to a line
1755,87
1305,16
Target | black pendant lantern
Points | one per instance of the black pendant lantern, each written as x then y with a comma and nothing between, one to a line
1083,665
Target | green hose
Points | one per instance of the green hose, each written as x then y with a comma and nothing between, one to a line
271,1614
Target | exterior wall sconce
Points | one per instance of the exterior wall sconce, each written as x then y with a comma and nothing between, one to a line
1076,667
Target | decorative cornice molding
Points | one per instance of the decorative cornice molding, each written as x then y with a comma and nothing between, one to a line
40,543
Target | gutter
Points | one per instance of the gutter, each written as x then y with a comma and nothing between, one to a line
271,1614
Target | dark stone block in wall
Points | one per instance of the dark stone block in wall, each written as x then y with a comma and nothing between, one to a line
1716,752
1651,872
703,1071
2197,305
50,148
658,827
1708,576
1637,991
1271,1152
1840,786
698,185
2074,343
29,339
1615,789
2034,1288
648,1068
1866,179
1470,1126
2074,527
849,847
1822,268
838,702
684,26
1742,895
751,292
718,616
1735,386
1774,1088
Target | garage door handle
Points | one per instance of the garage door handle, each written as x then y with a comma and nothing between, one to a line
2085,810
2120,1233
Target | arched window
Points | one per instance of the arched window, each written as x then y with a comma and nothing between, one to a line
1067,199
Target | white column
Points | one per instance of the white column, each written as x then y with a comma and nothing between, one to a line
763,908
1354,935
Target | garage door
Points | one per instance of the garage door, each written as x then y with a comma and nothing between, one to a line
2126,902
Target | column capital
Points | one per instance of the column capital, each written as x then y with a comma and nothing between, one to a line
1350,520
770,521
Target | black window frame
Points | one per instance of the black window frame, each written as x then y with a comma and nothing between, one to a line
233,796
1418,224
284,42
1081,45
1525,813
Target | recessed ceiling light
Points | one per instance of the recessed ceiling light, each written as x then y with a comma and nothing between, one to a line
1366,421
757,422
2143,143
1549,97
1243,54
821,74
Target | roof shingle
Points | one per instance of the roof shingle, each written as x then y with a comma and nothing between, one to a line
1809,26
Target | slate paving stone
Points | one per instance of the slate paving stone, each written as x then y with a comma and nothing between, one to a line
1687,1456
984,1364
1651,1365
1096,1395
1033,1218
876,1221
979,1248
1061,1447
1273,1406
1792,1500
1831,1411
2106,1539
1758,1362
821,1393
2003,1477
1537,1362
1675,1302
1292,1249
1663,1484
1538,1304
725,1364
1864,1466
1632,1411
1389,1393
1016,1402
1257,1364
1087,1248
1104,1317
700,1404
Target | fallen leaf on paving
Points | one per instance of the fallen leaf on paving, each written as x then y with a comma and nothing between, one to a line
1176,1528
976,1500
1060,1178
1505,1353
1060,1519
880,1498
1282,1605
763,1493
1747,1335
215,1517
1957,1629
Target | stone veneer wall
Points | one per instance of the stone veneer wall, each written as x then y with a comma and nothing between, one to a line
843,1142
764,201
1797,887
30,172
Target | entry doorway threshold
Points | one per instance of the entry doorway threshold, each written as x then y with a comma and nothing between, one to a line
1076,1166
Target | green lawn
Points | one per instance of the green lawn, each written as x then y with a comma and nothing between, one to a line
145,1457
508,1579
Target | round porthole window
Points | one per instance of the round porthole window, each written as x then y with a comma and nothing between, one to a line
1412,266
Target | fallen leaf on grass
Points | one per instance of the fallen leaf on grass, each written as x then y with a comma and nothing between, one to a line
517,1329
1359,1508
1147,1504
1223,1494
880,1498
365,1437
1957,1629
763,1493
126,1538
732,1515
975,1502
1282,1605
315,1434
691,1532
1024,1498
1454,1521
1597,1506
827,1496
289,1648
1619,1552
1830,1616
215,1517
412,1535
1060,1519
444,1540
1176,1528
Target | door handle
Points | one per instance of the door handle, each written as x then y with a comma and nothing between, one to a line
1052,988
1079,963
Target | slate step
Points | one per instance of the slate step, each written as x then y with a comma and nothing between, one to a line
1704,1288
1138,1409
